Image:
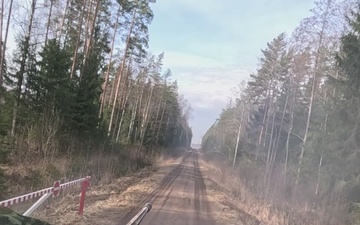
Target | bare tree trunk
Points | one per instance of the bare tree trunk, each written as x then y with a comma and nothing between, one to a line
120,108
126,87
141,103
160,124
63,20
262,130
87,26
120,124
282,121
2,60
321,157
319,173
268,160
146,116
123,113
167,123
120,73
21,72
117,113
322,150
135,109
90,38
155,125
288,137
313,89
78,40
237,142
1,40
263,124
180,137
306,130
275,148
104,87
139,113
48,21
113,86
86,36
132,120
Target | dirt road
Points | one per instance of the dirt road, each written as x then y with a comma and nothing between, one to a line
180,191
180,198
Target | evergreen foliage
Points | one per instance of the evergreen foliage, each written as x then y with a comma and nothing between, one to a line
53,98
299,117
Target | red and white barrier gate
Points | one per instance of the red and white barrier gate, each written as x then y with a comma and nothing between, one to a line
46,193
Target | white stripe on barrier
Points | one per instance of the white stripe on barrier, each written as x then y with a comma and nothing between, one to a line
40,193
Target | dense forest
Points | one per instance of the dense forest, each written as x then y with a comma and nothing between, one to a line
80,79
293,128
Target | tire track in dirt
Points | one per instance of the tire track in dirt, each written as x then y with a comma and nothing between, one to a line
201,203
165,183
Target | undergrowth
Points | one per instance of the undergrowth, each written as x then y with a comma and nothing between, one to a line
102,167
245,194
3,185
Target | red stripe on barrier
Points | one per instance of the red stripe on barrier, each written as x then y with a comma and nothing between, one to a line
36,194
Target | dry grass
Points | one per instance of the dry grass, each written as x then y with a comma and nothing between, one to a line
224,180
111,175
236,195
27,176
104,202
108,200
223,209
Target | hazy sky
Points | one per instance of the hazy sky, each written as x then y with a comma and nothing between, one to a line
212,45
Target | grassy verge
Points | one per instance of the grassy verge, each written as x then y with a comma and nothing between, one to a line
106,203
27,172
17,178
238,195
113,177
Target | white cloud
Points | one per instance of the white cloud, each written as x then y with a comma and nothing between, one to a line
209,88
186,60
204,105
205,82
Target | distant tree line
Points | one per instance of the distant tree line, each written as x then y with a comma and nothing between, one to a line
81,77
295,125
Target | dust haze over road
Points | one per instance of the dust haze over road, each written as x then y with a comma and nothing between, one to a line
180,198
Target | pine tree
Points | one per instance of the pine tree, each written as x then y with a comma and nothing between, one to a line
51,89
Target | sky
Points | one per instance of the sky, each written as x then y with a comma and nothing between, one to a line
211,46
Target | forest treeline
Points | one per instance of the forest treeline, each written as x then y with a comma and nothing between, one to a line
80,79
293,129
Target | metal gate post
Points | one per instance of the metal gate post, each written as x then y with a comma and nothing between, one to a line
85,185
37,204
